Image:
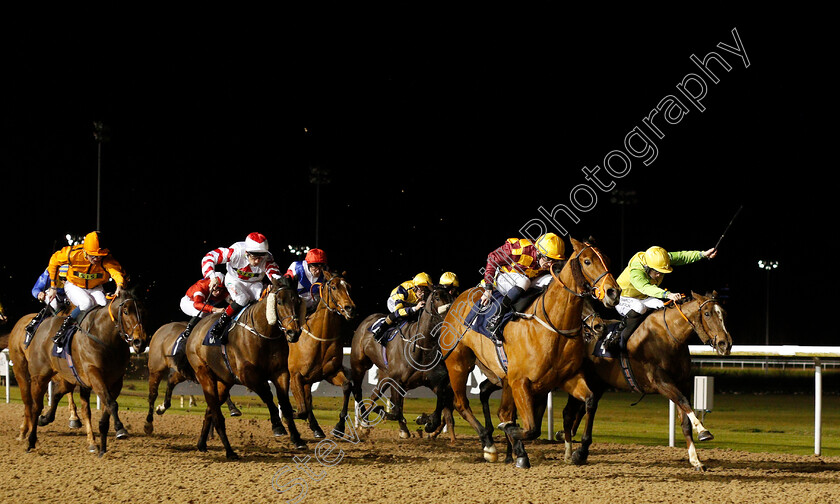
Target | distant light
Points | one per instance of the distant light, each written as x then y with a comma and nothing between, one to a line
768,265
298,250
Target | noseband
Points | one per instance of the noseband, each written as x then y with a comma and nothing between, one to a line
590,286
700,329
328,299
118,321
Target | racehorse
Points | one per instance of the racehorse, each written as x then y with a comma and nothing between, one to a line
593,328
20,330
160,362
319,352
660,363
255,353
99,354
543,352
410,360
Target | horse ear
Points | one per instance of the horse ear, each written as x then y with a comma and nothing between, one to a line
576,245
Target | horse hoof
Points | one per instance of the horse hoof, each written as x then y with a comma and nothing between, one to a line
149,428
405,435
75,424
42,421
235,413
705,436
93,448
318,434
523,463
279,431
579,458
700,468
558,436
201,447
122,434
160,410
490,454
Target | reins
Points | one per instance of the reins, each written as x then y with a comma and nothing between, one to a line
700,332
326,299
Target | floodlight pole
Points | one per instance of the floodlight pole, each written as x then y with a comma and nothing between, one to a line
98,129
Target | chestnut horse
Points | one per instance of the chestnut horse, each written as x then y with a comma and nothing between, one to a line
160,362
660,363
593,328
544,351
99,354
255,353
410,360
319,352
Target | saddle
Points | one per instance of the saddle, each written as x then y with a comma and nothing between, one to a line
222,340
179,346
390,333
479,315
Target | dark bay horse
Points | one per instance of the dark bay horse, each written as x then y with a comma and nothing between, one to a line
661,363
19,331
256,352
410,360
544,352
319,352
100,354
160,363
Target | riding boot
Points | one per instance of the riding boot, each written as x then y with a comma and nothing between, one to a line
618,341
190,325
504,308
30,327
59,335
218,329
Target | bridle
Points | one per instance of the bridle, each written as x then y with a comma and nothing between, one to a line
118,320
590,287
328,298
279,322
699,328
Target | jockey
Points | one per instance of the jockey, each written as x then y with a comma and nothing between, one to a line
309,275
248,262
513,267
405,300
2,314
90,268
640,287
449,281
39,292
201,300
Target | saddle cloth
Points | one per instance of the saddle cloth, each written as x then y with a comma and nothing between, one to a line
208,339
600,350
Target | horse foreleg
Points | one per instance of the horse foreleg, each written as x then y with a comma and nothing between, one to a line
21,371
458,374
213,415
285,407
73,421
340,379
693,459
397,413
60,389
578,387
296,385
667,388
84,395
526,406
572,415
38,387
317,432
154,382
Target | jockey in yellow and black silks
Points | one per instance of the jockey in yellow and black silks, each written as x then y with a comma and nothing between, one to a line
405,300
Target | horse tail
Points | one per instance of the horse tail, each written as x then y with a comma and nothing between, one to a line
182,364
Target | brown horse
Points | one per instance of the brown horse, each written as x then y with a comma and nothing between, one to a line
410,360
20,330
319,352
160,362
544,351
593,328
100,354
661,363
256,352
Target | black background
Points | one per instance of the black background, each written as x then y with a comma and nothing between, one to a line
442,135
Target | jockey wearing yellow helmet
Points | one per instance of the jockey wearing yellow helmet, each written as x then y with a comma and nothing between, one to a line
405,300
513,267
640,286
450,282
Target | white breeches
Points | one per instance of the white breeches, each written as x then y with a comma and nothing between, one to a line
241,292
85,299
640,306
188,307
507,281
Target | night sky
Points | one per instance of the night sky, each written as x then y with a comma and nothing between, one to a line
440,139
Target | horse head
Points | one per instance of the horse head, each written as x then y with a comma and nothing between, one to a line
127,314
593,325
284,307
711,327
335,294
591,273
